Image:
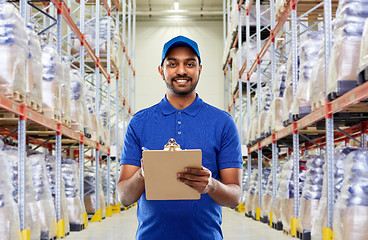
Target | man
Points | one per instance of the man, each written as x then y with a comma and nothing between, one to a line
182,115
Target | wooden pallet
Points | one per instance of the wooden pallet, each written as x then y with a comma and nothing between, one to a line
51,114
17,96
66,122
317,104
34,106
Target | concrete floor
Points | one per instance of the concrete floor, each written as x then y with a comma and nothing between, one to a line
123,226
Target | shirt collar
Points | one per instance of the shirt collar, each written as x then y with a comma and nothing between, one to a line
192,110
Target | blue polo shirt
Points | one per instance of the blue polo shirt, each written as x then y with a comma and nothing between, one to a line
199,126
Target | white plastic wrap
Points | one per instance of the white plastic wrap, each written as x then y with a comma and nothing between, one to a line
276,207
276,109
318,81
286,194
45,204
309,46
351,209
312,193
52,76
320,220
66,93
287,99
251,192
32,218
263,127
9,216
90,113
266,206
345,55
90,193
244,123
77,100
13,51
34,68
50,166
363,61
265,174
70,173
111,183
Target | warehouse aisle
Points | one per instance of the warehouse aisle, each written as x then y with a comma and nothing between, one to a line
123,226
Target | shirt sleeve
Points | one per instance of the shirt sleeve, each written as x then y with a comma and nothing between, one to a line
230,155
131,153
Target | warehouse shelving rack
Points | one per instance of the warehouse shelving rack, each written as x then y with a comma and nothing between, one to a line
323,117
38,124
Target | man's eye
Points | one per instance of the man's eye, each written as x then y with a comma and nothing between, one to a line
191,64
170,64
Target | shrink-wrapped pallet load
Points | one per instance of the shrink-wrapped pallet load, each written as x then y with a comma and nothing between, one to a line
312,194
286,192
75,207
253,129
13,52
32,218
51,168
52,77
309,46
266,206
90,112
44,204
90,193
345,55
264,129
265,174
320,220
351,209
9,216
34,70
77,100
104,124
244,123
318,81
287,99
111,183
363,61
276,108
66,95
275,208
251,193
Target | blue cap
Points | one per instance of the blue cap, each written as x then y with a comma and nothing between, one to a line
180,41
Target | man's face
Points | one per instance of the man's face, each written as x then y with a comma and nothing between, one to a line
181,70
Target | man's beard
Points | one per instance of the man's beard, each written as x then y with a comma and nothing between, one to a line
170,85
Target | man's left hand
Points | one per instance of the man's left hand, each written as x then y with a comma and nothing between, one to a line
198,179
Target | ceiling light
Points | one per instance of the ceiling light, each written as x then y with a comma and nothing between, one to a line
176,5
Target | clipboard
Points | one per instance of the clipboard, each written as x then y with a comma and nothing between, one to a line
160,172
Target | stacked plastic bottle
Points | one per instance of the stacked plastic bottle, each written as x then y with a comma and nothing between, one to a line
251,193
32,218
77,100
44,202
363,61
348,30
276,109
90,193
320,220
13,51
111,183
76,209
52,77
265,174
51,168
310,44
351,209
66,93
312,193
34,68
9,216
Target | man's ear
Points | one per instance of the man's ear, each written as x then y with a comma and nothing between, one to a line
161,71
200,69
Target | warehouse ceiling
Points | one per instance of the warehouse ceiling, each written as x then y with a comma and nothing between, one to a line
195,10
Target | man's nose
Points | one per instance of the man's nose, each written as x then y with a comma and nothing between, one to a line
181,69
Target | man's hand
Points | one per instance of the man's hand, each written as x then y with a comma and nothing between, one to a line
198,179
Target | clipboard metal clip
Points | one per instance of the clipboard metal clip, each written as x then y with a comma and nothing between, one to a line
172,145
